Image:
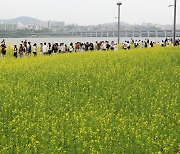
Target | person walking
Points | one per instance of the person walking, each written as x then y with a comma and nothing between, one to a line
45,49
21,50
71,47
35,49
41,48
28,49
112,45
15,51
3,49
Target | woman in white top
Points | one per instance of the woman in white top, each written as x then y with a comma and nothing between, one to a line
45,49
35,49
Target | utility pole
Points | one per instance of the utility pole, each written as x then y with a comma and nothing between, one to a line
174,32
119,4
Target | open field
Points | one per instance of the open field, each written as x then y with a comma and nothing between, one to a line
94,102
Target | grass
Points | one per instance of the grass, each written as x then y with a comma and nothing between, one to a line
94,102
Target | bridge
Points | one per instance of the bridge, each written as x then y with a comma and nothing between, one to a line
159,33
150,33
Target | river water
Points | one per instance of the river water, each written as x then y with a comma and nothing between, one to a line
68,40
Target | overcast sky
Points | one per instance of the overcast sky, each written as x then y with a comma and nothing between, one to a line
90,12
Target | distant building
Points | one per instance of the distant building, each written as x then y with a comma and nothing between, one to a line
8,27
20,26
54,25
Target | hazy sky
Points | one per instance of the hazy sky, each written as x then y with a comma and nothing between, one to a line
85,12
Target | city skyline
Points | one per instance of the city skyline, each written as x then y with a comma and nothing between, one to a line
37,21
93,12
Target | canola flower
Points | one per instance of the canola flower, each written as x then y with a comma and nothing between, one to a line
95,102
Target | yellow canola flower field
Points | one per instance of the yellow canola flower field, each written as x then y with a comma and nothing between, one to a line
94,102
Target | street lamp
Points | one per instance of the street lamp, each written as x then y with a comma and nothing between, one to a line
119,4
174,31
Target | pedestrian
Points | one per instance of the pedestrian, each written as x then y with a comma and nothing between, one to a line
35,49
15,51
151,44
3,49
91,47
28,49
128,45
112,45
41,49
125,45
86,46
142,44
103,46
62,48
136,44
163,44
107,45
45,49
56,48
98,46
145,44
71,48
21,50
49,48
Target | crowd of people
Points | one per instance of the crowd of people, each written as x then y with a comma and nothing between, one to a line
25,48
148,44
